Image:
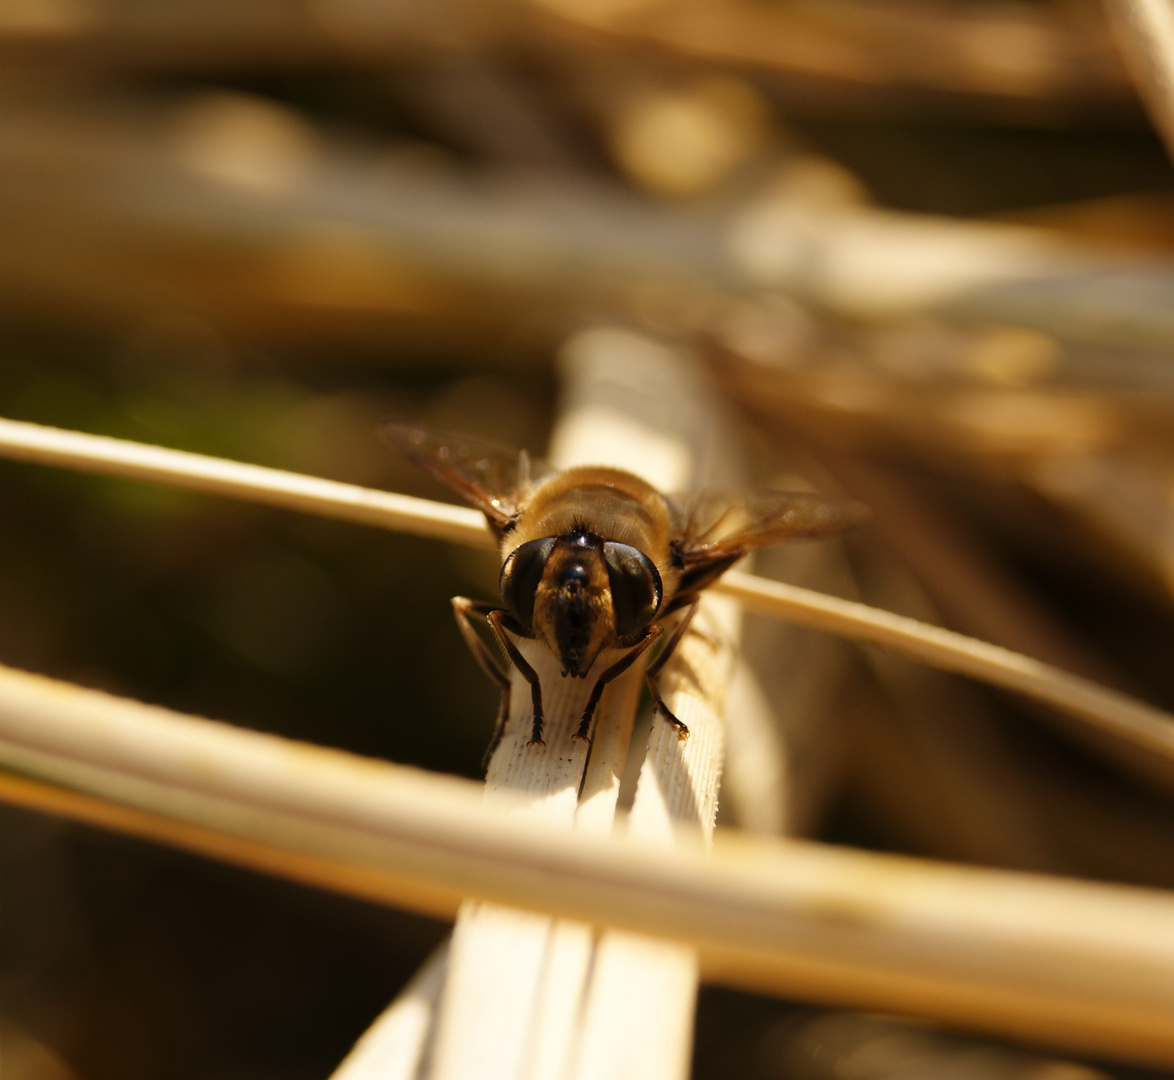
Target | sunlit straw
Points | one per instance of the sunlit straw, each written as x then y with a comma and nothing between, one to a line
1109,711
1082,964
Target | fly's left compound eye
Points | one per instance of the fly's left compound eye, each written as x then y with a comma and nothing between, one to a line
635,587
520,576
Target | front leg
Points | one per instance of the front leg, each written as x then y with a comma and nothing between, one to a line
651,634
501,620
463,609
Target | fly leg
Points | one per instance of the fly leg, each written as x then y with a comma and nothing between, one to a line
658,664
651,634
463,608
501,621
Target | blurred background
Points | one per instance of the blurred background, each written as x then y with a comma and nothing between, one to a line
921,250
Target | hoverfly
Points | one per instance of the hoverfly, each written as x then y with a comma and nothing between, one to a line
594,560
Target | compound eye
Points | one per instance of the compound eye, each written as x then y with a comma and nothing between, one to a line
520,575
635,587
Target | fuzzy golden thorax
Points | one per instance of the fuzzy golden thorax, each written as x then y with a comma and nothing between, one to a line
609,503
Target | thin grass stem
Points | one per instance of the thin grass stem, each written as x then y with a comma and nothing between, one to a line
1116,714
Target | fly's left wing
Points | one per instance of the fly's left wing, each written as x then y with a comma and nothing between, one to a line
715,529
490,477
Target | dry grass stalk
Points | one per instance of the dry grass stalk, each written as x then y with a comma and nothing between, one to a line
897,52
533,996
397,1044
638,1011
849,48
1143,727
498,985
1150,729
277,238
323,230
211,774
1145,30
252,483
1093,440
1072,963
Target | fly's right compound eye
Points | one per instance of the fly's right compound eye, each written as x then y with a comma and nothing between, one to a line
520,576
636,590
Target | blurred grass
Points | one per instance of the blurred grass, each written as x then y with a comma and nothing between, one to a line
257,239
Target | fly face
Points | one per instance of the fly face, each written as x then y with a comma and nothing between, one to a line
573,611
580,594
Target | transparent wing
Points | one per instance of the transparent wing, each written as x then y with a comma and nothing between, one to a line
715,526
493,478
